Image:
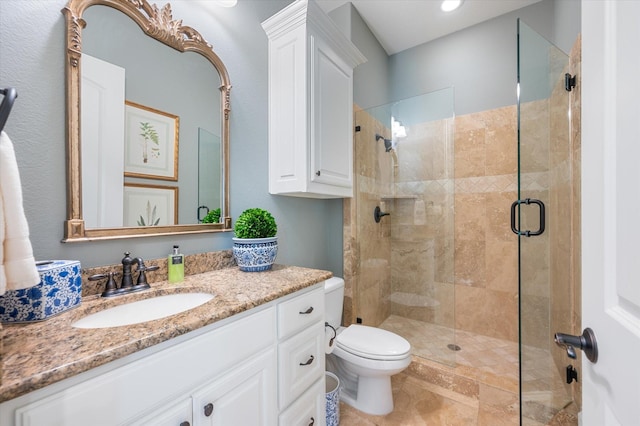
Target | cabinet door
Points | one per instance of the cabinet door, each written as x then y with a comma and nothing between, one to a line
243,397
308,410
332,123
178,414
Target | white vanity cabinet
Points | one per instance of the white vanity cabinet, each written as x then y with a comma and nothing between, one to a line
178,414
228,373
311,66
242,397
301,359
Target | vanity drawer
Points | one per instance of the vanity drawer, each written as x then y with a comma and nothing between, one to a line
309,409
300,363
300,312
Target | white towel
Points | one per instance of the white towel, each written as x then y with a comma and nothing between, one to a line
17,266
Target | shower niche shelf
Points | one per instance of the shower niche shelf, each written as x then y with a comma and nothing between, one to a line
398,197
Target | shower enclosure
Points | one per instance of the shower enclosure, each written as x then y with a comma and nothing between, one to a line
404,270
440,265
441,268
548,166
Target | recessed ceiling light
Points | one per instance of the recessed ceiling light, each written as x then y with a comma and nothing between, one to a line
226,3
450,5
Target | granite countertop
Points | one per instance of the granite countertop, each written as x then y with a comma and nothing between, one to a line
38,354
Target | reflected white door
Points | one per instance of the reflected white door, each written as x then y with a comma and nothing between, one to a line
611,210
102,136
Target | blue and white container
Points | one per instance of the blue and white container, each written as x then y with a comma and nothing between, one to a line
255,254
60,289
332,396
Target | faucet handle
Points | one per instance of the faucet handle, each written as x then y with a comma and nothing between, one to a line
142,276
111,287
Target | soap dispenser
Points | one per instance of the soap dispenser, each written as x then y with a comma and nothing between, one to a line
175,265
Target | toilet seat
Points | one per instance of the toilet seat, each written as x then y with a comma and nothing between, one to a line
373,343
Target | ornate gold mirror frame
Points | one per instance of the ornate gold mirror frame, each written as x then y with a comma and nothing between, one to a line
160,25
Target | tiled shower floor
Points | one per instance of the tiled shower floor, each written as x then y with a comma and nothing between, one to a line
485,354
489,364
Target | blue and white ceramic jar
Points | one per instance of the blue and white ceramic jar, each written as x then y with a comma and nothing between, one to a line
332,397
255,254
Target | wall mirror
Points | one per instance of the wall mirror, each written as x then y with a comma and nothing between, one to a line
148,124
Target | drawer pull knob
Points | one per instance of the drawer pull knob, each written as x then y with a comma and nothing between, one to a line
307,312
309,361
313,421
185,424
208,409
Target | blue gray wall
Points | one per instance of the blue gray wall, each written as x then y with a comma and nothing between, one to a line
371,80
32,41
479,62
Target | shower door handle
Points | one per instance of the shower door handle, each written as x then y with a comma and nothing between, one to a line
527,233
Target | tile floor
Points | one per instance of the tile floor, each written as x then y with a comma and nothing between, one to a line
475,386
418,402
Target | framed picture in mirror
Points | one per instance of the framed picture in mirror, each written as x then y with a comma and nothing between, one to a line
151,143
150,205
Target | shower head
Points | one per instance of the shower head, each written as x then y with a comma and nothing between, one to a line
387,142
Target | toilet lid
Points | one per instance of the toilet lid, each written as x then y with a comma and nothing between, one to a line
373,343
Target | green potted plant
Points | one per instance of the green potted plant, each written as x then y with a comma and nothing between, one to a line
255,245
212,217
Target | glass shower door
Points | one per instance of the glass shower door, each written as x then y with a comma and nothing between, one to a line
403,279
543,218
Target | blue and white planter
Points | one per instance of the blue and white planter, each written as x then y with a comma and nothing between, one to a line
255,254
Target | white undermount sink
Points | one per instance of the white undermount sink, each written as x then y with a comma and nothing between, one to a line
143,310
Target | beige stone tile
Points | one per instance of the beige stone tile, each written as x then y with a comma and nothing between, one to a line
469,152
534,145
502,265
501,141
498,216
470,265
470,217
499,401
499,318
444,378
487,417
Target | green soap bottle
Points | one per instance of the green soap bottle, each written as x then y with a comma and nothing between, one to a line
175,265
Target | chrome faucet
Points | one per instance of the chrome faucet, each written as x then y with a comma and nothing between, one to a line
126,285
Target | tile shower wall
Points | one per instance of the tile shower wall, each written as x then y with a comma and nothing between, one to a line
486,251
367,243
405,264
422,254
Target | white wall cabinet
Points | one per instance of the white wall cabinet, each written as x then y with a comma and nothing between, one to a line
224,374
311,66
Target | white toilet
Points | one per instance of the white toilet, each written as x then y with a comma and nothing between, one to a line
364,358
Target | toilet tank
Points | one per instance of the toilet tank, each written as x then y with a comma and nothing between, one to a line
333,300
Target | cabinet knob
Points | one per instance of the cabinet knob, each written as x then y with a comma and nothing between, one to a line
313,421
185,424
318,173
208,409
309,361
